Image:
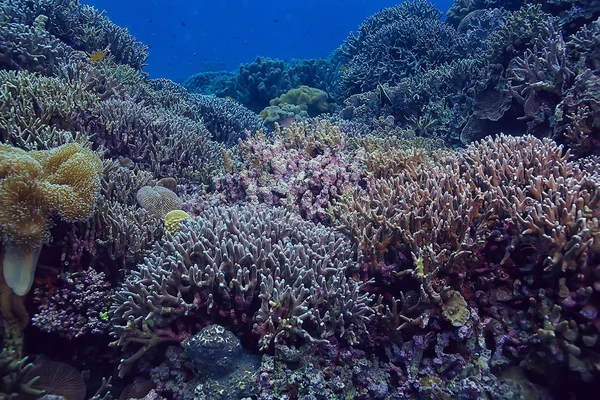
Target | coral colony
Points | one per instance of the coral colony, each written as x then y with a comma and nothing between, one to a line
415,217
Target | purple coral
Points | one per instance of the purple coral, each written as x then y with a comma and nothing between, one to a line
304,168
268,274
76,307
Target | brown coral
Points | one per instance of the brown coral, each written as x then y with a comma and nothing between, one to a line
34,187
158,200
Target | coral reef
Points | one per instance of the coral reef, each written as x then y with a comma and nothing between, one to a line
397,247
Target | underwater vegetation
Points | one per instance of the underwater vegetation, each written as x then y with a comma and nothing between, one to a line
415,217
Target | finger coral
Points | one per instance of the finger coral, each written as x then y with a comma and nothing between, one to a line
34,187
274,276
512,222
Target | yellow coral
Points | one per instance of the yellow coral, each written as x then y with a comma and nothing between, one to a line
455,308
173,219
34,187
313,100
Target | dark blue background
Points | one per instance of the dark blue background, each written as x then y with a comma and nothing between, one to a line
187,36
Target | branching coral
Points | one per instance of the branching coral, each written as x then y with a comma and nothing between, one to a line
30,103
396,43
506,213
13,372
81,27
226,120
31,48
540,78
274,276
160,141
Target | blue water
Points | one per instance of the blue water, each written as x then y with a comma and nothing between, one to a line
187,36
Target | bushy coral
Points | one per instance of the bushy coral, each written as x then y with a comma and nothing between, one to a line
80,27
263,272
75,307
33,108
506,213
226,120
31,48
303,167
13,371
398,42
162,142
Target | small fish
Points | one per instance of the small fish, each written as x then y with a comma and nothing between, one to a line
183,24
97,55
287,121
194,54
264,114
229,98
383,96
275,20
343,68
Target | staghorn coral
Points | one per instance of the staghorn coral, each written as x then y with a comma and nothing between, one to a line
539,79
78,26
519,32
396,43
14,381
119,231
434,103
271,275
571,13
226,120
462,9
31,48
167,144
511,222
33,108
122,232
